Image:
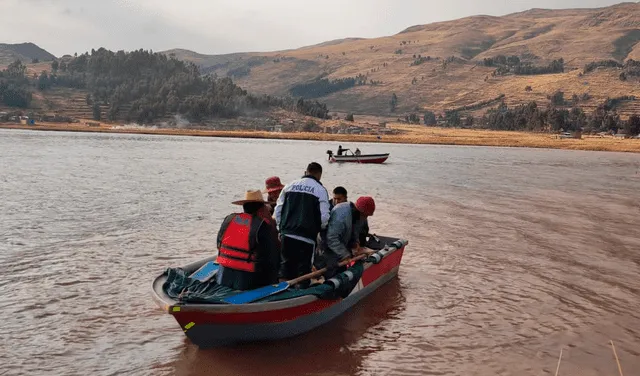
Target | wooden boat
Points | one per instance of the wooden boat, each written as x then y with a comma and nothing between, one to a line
353,158
220,324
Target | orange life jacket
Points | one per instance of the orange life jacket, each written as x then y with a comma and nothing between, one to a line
238,246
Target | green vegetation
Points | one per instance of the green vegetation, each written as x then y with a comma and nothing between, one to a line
152,86
420,59
15,86
239,72
412,119
322,87
394,102
602,63
625,44
479,105
430,118
529,117
514,65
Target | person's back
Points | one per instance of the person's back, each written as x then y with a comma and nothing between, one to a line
301,212
248,254
347,227
339,230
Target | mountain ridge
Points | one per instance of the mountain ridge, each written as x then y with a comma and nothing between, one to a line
397,63
25,52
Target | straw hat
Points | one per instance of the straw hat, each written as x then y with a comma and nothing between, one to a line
251,196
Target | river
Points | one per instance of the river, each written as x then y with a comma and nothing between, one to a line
513,254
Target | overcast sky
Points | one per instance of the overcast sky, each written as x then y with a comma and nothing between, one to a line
217,26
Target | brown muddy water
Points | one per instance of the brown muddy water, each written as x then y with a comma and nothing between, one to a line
513,255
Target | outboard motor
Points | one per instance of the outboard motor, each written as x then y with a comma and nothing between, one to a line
330,154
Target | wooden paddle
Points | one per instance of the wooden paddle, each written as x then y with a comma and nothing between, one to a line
262,292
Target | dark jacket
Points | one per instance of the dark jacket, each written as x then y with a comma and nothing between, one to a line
267,262
303,208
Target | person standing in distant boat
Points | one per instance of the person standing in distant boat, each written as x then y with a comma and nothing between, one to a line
340,149
301,212
248,252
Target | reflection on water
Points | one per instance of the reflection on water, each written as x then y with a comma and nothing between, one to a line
513,254
326,351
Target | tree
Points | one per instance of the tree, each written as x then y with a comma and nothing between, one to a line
394,102
96,111
54,66
349,117
468,122
16,70
632,126
453,118
35,60
43,81
412,119
557,98
430,118
311,126
577,119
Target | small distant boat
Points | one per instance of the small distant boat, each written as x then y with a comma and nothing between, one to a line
355,158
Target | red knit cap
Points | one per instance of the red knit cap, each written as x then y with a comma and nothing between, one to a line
366,205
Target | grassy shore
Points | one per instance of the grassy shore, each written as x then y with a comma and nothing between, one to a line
411,135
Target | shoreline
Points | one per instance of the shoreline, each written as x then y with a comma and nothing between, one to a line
413,135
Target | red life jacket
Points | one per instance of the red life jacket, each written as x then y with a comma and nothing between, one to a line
238,245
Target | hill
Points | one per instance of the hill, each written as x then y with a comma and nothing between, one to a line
25,52
138,86
450,65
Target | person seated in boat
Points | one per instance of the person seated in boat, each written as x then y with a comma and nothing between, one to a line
358,152
248,253
340,149
273,187
344,234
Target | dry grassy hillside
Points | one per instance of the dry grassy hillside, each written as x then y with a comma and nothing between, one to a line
579,36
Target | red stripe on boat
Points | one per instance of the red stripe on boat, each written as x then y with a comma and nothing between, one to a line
375,271
273,316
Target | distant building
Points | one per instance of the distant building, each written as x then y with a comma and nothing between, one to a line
26,121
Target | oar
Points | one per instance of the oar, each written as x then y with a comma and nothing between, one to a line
263,292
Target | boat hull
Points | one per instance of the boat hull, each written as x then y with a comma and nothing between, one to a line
213,325
370,158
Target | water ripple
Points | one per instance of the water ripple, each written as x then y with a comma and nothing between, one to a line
514,253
